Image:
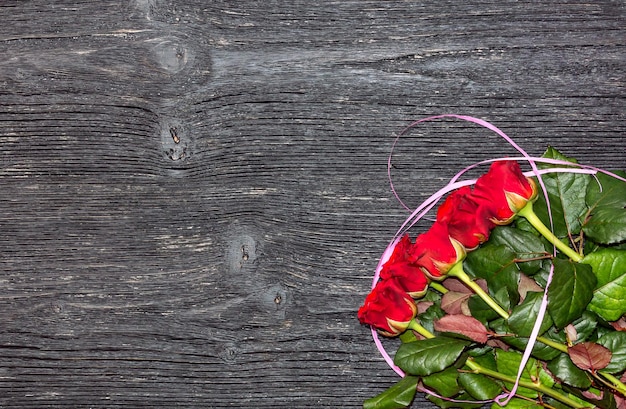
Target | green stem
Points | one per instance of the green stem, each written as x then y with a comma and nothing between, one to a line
438,286
415,326
615,383
476,368
553,344
528,213
458,272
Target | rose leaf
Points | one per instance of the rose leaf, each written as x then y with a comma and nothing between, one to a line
523,316
427,356
570,291
566,192
469,327
589,356
607,210
609,266
398,396
616,343
564,369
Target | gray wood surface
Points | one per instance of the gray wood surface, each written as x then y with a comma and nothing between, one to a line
194,193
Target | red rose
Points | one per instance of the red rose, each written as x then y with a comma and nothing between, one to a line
505,190
388,308
468,221
435,252
398,268
400,251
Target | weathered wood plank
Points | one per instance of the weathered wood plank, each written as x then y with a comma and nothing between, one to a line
195,194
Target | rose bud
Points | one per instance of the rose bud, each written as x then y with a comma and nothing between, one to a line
468,221
435,252
505,190
388,308
398,268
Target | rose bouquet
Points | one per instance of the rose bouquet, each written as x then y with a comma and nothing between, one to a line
515,295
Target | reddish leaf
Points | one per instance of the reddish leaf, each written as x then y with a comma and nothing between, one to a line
571,333
464,325
454,302
496,343
454,284
619,325
527,284
589,356
591,394
422,306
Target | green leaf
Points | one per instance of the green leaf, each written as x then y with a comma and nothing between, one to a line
616,343
609,266
523,316
607,218
398,396
555,404
428,356
479,386
495,263
480,310
508,363
428,317
607,226
526,246
585,326
564,369
503,297
570,291
566,192
462,401
407,336
517,403
540,350
445,383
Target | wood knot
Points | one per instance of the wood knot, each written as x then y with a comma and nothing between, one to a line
174,140
171,55
274,300
242,252
174,134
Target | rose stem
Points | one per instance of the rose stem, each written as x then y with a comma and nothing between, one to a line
476,368
458,272
415,326
528,213
615,383
438,287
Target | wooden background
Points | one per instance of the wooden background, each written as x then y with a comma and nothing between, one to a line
194,193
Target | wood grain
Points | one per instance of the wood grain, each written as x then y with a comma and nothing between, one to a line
195,193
